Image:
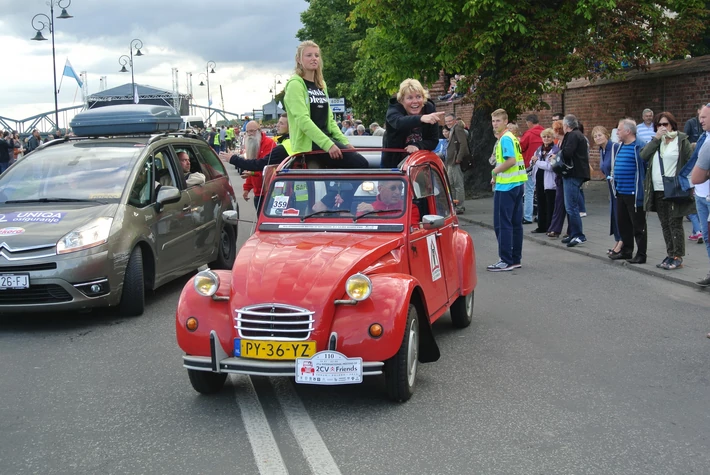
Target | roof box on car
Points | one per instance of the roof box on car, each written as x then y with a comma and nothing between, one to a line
125,120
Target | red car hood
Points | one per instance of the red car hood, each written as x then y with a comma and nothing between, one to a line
303,269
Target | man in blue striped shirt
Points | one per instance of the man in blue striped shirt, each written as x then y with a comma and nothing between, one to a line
628,172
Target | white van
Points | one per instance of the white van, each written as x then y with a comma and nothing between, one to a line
192,122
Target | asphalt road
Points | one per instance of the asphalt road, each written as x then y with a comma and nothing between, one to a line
572,366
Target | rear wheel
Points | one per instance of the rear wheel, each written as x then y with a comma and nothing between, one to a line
462,311
133,294
206,382
401,369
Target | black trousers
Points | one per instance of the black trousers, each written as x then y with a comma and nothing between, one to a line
543,221
632,225
349,160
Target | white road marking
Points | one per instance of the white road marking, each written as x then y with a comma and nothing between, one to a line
263,445
314,449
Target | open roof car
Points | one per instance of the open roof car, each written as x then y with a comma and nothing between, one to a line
95,220
343,278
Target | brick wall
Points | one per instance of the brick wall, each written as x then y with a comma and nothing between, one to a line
675,86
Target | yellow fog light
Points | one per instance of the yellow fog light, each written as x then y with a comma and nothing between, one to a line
206,283
358,287
375,330
191,324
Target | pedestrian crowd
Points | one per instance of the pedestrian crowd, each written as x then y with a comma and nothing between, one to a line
649,166
13,147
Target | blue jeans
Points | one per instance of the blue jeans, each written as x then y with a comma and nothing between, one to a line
703,207
508,224
572,190
696,222
529,197
582,203
3,166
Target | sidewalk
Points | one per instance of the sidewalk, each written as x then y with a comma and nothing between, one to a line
596,228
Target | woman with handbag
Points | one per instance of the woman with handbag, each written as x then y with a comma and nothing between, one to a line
601,138
667,153
545,186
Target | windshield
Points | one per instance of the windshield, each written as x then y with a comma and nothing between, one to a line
328,198
81,171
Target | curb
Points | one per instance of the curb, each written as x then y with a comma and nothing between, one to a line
634,267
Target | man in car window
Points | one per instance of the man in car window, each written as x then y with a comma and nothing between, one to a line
389,198
191,179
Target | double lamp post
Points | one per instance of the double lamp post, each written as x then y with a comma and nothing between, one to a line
210,66
125,59
41,21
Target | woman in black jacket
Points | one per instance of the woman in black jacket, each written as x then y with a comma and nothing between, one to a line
412,123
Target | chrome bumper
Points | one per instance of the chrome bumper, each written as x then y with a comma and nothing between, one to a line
220,362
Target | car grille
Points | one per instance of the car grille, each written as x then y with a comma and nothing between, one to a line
274,322
37,294
29,268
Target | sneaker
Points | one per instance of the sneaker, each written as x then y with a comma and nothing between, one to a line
566,240
460,210
500,266
576,241
526,221
701,240
516,266
705,282
582,214
695,236
664,263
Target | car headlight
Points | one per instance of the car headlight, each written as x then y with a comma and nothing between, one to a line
358,287
206,283
90,235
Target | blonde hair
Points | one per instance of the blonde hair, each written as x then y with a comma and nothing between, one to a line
547,133
514,129
409,86
602,130
500,113
318,77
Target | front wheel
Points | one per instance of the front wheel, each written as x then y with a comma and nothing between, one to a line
133,294
206,382
462,311
401,369
226,248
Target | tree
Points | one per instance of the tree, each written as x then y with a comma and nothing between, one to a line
515,51
326,22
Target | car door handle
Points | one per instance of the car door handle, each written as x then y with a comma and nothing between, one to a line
186,208
215,197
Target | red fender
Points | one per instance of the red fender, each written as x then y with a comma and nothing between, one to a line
463,244
211,315
388,305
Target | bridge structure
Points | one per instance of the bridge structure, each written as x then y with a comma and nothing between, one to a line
45,122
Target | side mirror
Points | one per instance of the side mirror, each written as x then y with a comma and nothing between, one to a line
432,221
167,195
231,217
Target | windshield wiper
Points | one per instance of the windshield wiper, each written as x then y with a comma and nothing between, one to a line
374,211
325,211
55,200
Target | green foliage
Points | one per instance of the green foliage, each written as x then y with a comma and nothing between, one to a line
347,73
517,50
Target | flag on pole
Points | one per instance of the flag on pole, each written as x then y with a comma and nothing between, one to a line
69,71
136,99
209,101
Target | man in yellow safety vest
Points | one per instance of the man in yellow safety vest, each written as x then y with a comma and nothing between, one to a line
508,178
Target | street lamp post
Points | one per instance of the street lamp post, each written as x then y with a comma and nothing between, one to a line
210,65
39,19
273,94
137,44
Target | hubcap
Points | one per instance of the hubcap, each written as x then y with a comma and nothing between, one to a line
412,353
469,305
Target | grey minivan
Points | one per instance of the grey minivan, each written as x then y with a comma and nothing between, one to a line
92,222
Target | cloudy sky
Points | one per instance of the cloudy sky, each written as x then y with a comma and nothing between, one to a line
251,41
